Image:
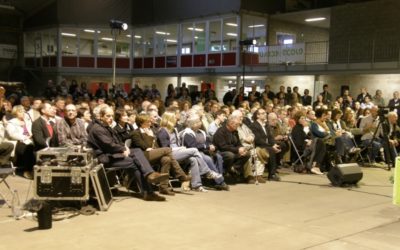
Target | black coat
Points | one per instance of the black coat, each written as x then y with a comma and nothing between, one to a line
40,133
262,139
225,140
105,142
299,137
124,133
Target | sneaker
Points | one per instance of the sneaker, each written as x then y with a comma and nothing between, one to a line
316,171
213,175
354,150
274,177
222,186
200,189
153,197
185,186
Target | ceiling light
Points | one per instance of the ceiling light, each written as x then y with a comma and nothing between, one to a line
315,19
196,37
231,24
106,39
256,25
163,33
116,24
138,37
171,40
196,29
89,31
231,34
128,35
68,34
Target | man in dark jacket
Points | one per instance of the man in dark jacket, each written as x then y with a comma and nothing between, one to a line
44,130
112,153
264,139
227,141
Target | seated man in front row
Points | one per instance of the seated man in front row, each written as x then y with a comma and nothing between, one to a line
227,141
6,148
112,153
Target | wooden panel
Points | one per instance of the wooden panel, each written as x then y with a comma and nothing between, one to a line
69,61
104,62
160,62
53,61
228,59
122,63
172,61
86,62
214,60
199,60
148,62
186,61
138,63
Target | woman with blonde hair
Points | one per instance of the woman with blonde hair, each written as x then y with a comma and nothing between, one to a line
146,139
19,131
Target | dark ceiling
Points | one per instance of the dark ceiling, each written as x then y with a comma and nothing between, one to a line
26,7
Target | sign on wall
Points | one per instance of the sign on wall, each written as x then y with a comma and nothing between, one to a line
8,51
289,53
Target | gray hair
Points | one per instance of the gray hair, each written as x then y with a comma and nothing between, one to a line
192,120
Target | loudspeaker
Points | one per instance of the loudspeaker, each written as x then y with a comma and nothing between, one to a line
345,174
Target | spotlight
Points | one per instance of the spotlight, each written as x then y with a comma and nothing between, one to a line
116,24
248,42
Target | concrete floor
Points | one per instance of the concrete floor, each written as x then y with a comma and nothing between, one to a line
301,212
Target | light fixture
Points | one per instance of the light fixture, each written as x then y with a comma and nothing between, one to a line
163,33
116,24
128,35
248,42
106,39
138,37
231,24
196,29
231,34
68,34
196,37
91,31
171,40
315,19
256,26
252,81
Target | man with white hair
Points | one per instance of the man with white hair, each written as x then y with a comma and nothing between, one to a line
227,141
71,130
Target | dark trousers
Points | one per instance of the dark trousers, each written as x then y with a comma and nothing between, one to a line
233,160
128,164
25,156
5,152
272,162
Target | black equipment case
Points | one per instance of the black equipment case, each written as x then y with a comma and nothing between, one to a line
101,187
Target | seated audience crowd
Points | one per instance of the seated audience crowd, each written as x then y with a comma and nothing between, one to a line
194,138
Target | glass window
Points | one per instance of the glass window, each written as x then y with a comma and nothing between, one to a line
86,41
148,42
187,38
254,28
105,43
199,30
69,42
138,43
166,40
49,42
123,43
30,45
215,36
230,34
172,40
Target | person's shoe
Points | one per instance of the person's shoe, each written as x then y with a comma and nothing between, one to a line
354,150
156,177
274,177
200,189
250,180
213,175
233,171
153,197
222,186
28,175
184,178
185,186
260,179
166,191
315,170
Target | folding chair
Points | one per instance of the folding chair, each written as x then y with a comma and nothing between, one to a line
7,195
300,158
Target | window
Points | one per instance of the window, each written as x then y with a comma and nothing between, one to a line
215,36
166,40
69,42
254,28
138,43
187,38
86,41
230,30
285,38
199,30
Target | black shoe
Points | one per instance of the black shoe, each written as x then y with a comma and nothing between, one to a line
166,191
153,197
156,177
222,186
274,177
